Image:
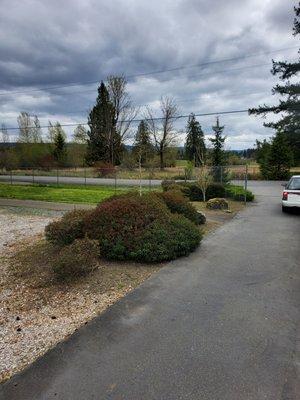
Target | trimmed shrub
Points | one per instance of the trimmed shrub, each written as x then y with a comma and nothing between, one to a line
68,228
164,241
177,203
236,192
140,228
77,259
217,204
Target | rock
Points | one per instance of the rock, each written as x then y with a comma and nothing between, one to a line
217,204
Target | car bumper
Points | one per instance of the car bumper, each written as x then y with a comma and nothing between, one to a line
290,204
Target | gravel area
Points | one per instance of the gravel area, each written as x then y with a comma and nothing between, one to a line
37,312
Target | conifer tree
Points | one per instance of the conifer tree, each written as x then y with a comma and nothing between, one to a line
104,140
143,147
218,156
289,124
60,148
195,146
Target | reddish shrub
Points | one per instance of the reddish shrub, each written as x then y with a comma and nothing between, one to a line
104,169
177,203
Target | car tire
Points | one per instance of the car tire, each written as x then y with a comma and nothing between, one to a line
284,209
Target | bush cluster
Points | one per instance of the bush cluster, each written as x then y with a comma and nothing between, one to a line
193,191
147,228
67,229
177,203
76,259
140,228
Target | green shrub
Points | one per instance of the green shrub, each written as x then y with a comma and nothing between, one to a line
194,192
169,184
177,203
77,259
236,192
167,240
140,228
67,229
217,204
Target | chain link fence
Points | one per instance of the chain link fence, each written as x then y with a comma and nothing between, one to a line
119,177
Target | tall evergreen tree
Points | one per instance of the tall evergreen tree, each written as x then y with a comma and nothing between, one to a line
60,148
218,156
143,147
280,157
195,146
104,141
289,124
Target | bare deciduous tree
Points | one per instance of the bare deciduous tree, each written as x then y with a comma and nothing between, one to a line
124,111
4,134
162,129
204,179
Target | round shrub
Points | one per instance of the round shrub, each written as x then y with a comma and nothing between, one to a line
201,217
140,228
177,203
68,228
77,259
164,241
217,204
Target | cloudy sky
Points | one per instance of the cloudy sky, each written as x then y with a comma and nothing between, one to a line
44,44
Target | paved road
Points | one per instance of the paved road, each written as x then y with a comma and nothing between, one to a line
78,181
218,325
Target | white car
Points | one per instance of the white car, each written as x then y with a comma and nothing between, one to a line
291,194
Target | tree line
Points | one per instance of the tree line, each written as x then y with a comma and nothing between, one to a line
155,140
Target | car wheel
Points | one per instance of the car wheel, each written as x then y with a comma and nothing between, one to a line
284,209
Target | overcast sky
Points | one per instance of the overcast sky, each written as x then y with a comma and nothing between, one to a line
47,43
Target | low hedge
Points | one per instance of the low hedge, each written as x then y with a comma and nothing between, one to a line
193,191
67,229
215,190
237,193
177,203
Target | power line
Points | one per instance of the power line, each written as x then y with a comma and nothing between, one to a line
155,119
232,94
203,64
164,80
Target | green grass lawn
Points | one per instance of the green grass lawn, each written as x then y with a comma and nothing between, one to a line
61,194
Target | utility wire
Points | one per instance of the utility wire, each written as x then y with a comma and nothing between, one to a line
203,64
164,80
154,119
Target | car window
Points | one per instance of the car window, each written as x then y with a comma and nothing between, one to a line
294,184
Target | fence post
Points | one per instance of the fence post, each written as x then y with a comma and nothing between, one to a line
57,181
33,176
246,183
115,182
85,176
221,174
11,180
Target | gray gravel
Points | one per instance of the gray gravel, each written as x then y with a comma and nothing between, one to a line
218,325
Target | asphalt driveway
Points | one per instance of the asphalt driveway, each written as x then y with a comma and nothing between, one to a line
218,325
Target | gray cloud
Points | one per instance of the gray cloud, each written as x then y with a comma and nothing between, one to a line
51,43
